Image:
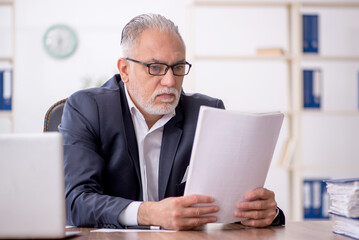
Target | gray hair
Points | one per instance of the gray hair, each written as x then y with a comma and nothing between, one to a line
134,28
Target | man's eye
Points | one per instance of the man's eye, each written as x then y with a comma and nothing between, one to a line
156,68
179,67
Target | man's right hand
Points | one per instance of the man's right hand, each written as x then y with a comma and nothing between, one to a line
177,213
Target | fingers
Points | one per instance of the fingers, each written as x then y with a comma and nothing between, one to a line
190,209
259,209
191,200
257,218
259,193
190,223
255,214
257,205
178,213
198,211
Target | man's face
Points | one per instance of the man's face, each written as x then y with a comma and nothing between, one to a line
155,95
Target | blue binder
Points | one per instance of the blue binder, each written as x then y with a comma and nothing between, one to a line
311,88
310,33
315,199
1,90
5,89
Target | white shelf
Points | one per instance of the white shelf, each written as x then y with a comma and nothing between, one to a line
242,58
329,112
341,167
6,2
217,3
337,4
286,57
255,3
313,57
4,113
6,59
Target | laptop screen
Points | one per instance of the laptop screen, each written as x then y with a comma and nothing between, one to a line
32,198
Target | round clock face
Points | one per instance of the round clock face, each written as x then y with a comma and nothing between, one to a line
60,41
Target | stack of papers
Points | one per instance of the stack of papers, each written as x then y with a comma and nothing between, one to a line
231,155
346,226
344,196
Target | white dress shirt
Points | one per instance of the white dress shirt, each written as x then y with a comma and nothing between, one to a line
149,149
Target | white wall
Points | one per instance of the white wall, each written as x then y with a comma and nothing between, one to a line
41,80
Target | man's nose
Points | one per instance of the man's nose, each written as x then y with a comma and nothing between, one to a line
168,79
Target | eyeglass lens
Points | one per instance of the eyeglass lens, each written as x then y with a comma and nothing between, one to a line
180,69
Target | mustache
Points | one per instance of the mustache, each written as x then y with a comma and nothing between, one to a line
165,91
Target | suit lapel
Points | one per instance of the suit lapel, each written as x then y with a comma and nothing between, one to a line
170,141
130,135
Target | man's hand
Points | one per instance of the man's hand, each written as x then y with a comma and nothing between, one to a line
260,208
177,213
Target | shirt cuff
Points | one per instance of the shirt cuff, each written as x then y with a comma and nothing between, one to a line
276,214
128,217
279,218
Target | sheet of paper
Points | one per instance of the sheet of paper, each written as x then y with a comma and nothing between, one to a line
231,155
130,230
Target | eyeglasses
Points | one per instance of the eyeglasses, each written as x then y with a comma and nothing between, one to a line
160,69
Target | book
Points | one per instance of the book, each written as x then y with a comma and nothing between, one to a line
315,199
270,51
231,156
312,88
5,89
310,33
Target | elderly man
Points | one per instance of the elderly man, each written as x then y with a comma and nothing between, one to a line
128,143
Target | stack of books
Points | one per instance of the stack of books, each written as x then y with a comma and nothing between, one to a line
344,206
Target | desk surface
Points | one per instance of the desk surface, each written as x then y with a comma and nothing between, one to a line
293,230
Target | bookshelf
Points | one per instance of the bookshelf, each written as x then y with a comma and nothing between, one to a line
7,53
332,125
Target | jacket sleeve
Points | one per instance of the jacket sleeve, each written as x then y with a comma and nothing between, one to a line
86,203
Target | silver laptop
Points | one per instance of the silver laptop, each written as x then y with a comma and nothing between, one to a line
32,197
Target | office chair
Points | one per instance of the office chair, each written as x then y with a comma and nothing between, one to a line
53,116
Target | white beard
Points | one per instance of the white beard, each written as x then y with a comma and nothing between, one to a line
149,105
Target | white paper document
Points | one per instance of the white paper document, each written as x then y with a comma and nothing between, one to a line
231,155
108,230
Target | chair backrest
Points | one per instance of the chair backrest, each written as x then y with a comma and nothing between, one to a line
53,116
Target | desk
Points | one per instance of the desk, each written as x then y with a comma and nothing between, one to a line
292,231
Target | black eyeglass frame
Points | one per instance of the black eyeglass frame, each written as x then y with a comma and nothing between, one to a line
148,65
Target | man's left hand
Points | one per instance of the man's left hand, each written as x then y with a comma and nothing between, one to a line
259,208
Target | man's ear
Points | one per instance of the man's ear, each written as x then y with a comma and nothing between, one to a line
123,68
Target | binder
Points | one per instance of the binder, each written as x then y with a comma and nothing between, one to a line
315,199
312,88
6,89
1,90
310,33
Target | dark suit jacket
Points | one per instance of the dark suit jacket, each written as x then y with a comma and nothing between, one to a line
102,172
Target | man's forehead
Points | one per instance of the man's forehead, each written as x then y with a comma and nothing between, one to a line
160,46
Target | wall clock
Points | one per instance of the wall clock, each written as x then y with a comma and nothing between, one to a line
60,41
